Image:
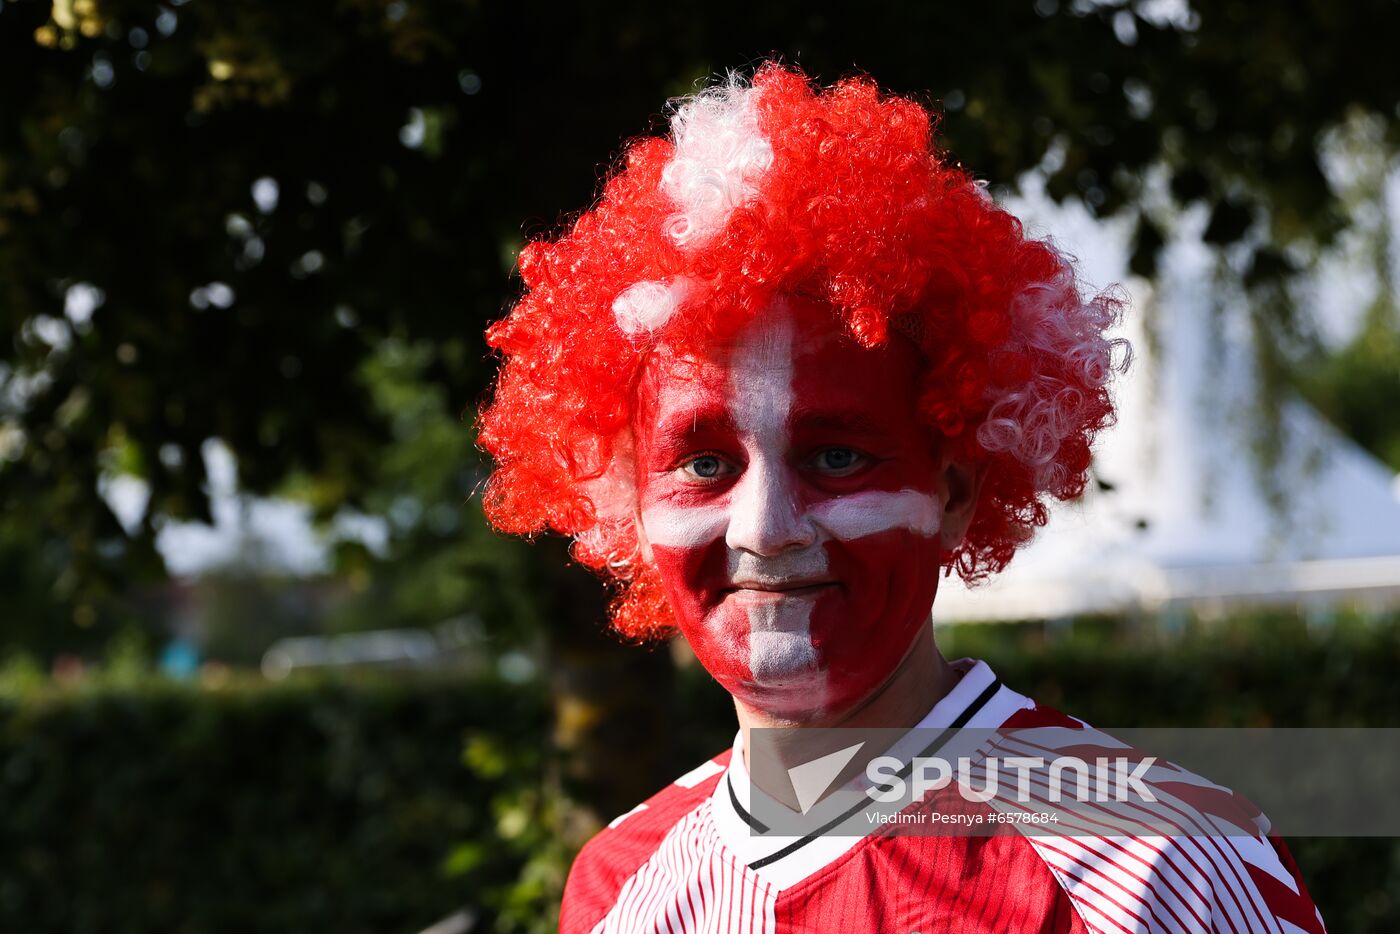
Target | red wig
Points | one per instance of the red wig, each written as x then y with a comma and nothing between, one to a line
777,187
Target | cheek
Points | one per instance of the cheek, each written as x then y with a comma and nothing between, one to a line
897,568
892,580
693,574
717,631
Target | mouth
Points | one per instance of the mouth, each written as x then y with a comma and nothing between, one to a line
775,590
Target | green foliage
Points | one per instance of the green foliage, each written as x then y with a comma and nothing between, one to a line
1358,388
444,560
528,820
246,807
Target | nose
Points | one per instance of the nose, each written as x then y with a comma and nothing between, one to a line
766,516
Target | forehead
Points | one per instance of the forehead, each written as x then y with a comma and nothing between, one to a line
794,359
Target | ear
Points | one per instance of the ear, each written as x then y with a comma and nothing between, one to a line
627,459
643,543
960,487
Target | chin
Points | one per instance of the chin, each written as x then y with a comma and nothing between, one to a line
785,707
825,695
797,697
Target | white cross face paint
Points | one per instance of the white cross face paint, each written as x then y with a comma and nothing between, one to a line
790,496
780,637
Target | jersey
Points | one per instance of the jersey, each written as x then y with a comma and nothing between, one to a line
686,861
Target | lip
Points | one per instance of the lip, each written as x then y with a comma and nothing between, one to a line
780,590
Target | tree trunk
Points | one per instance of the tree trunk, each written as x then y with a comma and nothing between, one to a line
611,701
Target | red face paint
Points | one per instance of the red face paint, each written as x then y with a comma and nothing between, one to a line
789,494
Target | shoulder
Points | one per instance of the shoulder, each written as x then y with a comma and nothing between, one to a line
1189,854
617,851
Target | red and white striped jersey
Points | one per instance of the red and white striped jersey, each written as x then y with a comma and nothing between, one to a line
686,861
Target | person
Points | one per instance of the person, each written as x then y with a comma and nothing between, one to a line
793,366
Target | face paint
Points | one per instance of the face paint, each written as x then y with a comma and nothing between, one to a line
788,492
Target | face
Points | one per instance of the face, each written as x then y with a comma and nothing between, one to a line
790,497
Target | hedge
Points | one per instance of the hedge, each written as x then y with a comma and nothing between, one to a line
299,807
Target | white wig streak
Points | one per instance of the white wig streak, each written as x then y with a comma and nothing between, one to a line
647,306
720,156
1031,421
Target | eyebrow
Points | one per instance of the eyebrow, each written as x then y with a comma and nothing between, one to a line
838,420
679,428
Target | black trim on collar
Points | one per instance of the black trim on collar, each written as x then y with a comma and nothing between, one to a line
749,819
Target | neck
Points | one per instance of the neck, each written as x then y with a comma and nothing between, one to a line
920,680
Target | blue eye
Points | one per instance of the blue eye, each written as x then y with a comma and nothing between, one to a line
706,467
839,461
838,458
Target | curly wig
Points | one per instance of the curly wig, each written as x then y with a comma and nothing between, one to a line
772,187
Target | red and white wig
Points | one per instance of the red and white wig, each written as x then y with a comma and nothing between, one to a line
775,187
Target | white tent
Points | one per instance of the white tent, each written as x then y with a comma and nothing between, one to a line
1185,517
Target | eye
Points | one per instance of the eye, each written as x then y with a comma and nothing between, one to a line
839,462
707,468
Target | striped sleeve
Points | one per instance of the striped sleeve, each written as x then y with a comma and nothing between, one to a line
1180,874
615,854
